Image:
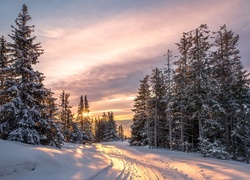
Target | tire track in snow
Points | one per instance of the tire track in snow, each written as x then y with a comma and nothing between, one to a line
126,165
112,172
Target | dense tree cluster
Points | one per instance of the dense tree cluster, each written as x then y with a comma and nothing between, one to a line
201,105
82,128
105,128
28,111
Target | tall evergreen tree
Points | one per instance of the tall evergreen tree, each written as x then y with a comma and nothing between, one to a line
198,57
181,111
100,125
140,125
160,129
22,116
65,115
5,71
87,121
121,132
110,132
169,72
234,87
53,129
4,64
80,112
76,134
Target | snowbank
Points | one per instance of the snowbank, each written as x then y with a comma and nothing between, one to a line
112,160
26,162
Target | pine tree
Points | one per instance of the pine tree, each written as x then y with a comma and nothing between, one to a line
5,76
53,129
140,125
168,98
181,112
5,72
234,91
110,132
160,129
121,132
80,117
86,121
76,135
65,115
23,115
101,124
198,56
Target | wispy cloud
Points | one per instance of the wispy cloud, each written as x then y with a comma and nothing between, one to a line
108,86
78,46
106,58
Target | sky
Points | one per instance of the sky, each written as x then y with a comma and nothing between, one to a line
102,48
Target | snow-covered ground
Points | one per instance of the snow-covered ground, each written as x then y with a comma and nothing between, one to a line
107,161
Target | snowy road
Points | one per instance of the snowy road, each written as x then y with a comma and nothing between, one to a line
128,166
141,163
128,163
111,161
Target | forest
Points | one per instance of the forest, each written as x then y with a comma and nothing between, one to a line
199,101
28,111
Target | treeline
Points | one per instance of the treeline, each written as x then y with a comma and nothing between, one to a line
201,105
82,128
28,111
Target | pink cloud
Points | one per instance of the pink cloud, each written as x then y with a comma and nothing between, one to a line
78,48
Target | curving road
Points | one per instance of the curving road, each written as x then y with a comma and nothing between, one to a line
141,163
128,163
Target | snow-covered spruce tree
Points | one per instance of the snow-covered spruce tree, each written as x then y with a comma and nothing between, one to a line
160,128
79,117
100,129
110,132
140,125
241,131
194,102
5,72
65,115
234,92
5,75
76,135
211,111
23,115
80,120
54,136
181,112
168,98
197,61
100,125
199,87
4,62
241,126
121,132
87,121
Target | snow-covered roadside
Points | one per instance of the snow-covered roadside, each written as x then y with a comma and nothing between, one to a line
27,162
178,165
107,161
